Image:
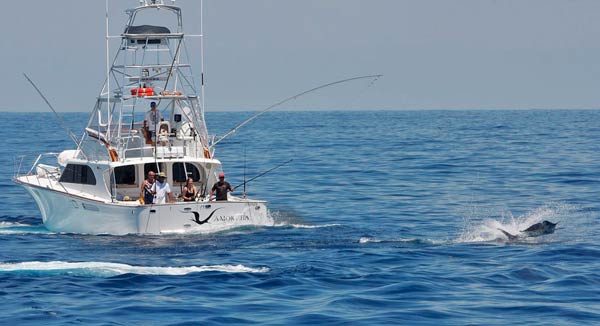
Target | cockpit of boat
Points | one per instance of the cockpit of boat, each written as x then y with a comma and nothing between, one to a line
128,178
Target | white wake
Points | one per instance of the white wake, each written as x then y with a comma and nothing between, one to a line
112,269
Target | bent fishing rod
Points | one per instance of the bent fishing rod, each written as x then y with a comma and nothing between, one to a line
232,131
260,175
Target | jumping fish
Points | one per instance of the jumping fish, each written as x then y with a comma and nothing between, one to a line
534,230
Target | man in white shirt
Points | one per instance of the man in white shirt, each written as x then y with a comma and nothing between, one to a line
161,190
152,120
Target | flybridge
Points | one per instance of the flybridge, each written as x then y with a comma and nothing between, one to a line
151,64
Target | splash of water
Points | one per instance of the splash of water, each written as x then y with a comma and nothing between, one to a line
488,229
21,228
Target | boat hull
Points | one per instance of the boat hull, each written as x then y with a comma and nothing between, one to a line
62,212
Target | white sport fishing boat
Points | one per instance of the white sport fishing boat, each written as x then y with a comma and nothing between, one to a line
95,187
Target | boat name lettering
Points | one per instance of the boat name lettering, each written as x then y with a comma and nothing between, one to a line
232,218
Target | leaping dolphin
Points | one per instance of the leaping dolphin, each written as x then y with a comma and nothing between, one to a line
535,230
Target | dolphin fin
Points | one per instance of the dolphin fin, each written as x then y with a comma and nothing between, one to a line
510,236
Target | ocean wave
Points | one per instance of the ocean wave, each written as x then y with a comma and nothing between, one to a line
310,226
21,228
403,240
375,240
106,269
11,224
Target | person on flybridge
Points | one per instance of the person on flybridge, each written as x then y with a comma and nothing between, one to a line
221,188
151,122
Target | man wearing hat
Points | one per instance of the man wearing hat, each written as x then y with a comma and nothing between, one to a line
161,189
221,188
151,121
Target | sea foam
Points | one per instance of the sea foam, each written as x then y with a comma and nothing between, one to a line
113,269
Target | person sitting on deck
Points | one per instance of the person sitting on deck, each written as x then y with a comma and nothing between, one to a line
163,133
221,188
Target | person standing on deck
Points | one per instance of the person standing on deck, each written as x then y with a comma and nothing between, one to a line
146,195
162,190
221,188
151,121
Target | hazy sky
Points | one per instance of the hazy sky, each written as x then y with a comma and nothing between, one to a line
435,54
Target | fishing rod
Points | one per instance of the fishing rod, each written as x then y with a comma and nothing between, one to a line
232,131
60,119
260,175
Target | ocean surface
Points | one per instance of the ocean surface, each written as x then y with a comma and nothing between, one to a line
382,218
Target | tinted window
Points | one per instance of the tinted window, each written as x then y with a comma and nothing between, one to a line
77,173
179,172
125,175
152,167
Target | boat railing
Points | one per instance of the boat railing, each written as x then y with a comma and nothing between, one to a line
49,172
42,170
37,161
127,141
137,152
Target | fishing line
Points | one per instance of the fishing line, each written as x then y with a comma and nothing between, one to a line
260,175
232,131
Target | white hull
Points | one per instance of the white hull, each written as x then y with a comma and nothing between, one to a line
62,212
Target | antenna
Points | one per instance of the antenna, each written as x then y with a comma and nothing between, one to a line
108,113
244,193
202,55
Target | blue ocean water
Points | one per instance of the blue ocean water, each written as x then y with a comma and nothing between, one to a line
382,218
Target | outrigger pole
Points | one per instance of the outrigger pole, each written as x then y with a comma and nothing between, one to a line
60,119
232,131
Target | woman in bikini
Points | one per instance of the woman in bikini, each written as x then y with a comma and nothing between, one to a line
189,192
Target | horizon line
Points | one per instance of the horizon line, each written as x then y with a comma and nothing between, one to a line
4,110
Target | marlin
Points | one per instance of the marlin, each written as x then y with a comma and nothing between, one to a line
535,230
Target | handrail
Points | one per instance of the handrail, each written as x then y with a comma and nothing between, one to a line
39,157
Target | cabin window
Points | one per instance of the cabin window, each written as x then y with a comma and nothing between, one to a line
125,175
78,173
179,172
154,167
